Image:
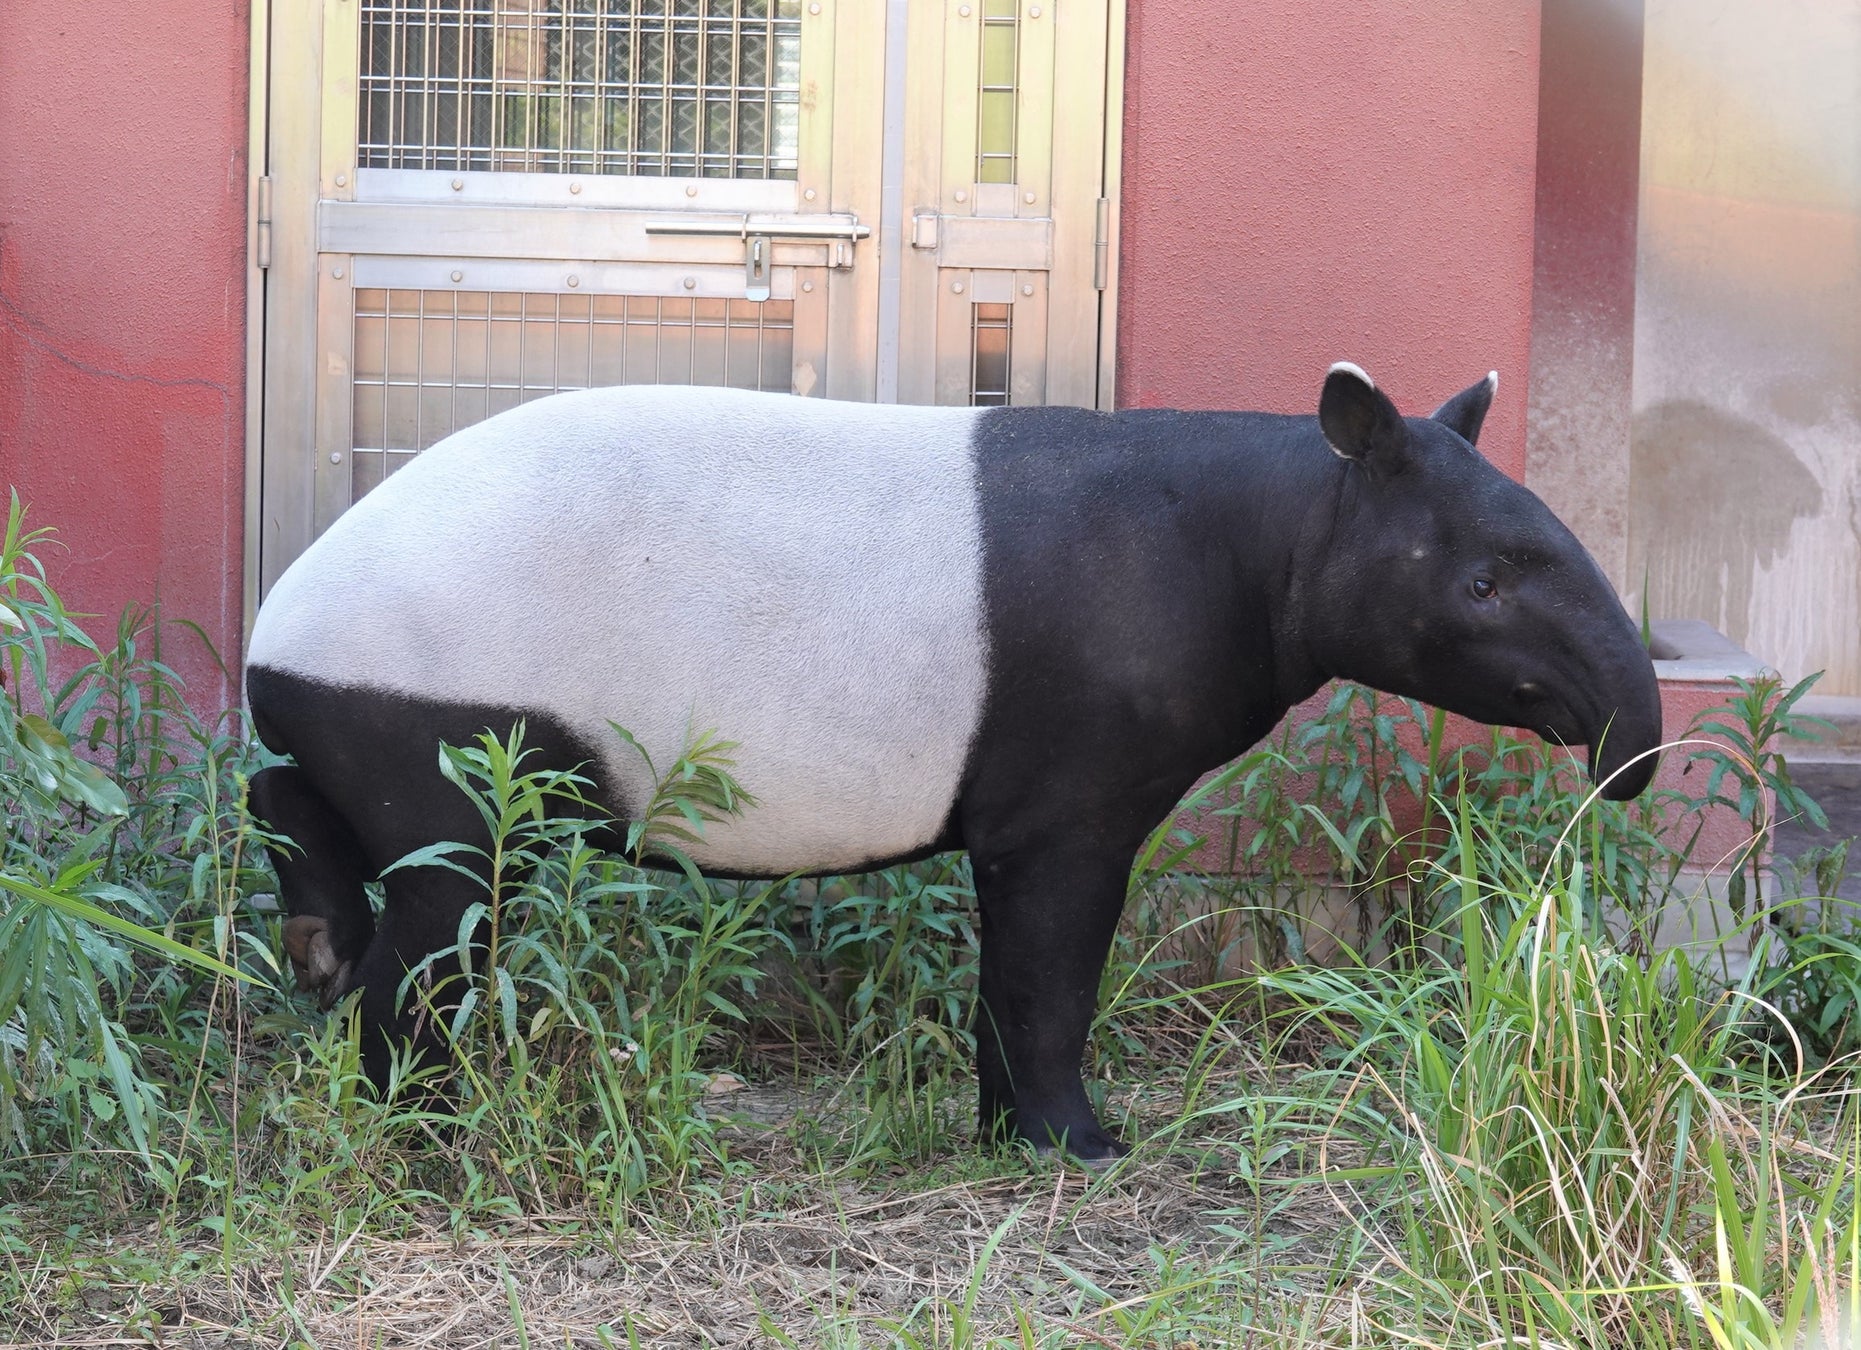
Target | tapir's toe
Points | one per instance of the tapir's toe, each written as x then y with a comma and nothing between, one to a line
314,961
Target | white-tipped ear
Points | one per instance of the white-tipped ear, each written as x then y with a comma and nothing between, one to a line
1358,420
1352,368
1466,411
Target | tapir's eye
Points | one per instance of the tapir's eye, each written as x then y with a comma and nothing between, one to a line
1483,588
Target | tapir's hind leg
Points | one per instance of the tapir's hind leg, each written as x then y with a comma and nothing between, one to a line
321,875
425,906
367,793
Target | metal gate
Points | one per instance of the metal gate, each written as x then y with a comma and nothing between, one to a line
463,204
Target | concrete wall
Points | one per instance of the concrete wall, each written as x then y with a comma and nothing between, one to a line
1300,190
1583,284
122,305
1745,488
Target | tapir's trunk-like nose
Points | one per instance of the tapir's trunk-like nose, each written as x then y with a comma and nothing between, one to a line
1629,726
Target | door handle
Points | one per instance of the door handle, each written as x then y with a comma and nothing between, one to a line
759,232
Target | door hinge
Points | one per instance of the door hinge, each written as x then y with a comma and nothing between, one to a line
261,235
1101,244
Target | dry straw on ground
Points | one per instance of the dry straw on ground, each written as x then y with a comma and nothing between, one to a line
796,1257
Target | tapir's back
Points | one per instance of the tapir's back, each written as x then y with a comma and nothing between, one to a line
803,577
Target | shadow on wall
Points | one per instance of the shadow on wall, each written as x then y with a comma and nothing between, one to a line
1712,497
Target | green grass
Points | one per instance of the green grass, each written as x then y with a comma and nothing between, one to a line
693,1113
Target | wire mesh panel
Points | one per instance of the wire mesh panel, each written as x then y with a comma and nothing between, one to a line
430,362
679,88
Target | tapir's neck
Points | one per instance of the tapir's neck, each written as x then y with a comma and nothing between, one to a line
1273,489
1172,550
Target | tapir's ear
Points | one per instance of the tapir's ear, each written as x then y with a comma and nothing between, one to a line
1467,410
1359,421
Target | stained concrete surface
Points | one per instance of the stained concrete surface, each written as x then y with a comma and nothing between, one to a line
1836,788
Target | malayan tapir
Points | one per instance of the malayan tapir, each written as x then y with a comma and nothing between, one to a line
1020,631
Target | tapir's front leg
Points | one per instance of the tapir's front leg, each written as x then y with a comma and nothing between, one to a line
1048,915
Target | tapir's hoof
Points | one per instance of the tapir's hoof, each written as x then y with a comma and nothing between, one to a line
1096,1150
1090,1147
314,961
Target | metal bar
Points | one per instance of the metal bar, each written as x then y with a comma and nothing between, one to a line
419,374
429,82
257,320
892,200
734,111
452,362
721,279
530,82
1073,140
597,148
555,345
521,374
772,227
668,85
462,107
631,151
464,231
1111,183
490,351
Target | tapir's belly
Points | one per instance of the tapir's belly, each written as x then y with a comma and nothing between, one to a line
803,578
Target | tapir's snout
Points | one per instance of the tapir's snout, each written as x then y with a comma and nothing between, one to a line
1613,706
1624,741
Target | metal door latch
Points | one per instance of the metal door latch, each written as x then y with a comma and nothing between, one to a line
756,267
759,234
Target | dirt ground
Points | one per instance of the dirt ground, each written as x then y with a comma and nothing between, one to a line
775,1264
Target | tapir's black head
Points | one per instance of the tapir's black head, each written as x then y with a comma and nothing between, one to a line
1446,581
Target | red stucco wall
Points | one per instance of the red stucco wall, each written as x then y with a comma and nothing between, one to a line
1306,184
1294,193
122,305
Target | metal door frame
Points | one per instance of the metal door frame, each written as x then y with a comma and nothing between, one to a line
258,101
280,238
1047,239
